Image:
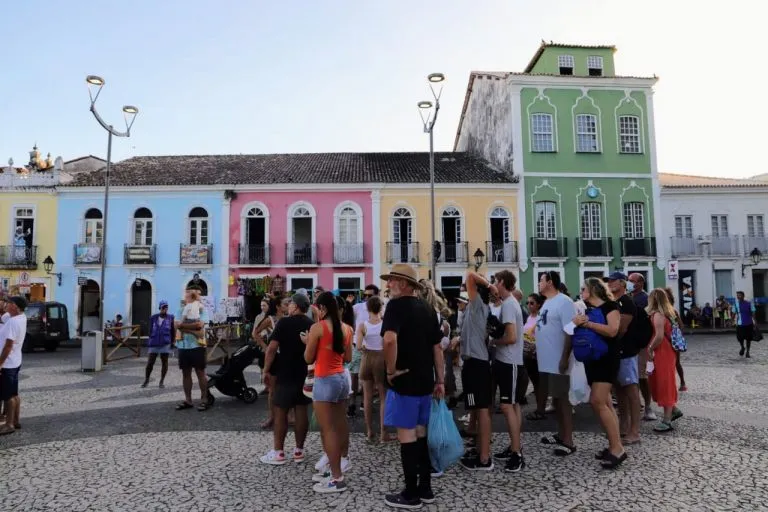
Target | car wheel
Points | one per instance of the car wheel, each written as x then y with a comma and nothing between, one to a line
51,346
210,399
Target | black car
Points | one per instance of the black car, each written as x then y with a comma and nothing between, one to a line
47,326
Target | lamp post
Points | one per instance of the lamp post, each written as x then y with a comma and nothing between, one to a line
756,256
129,114
48,264
479,255
428,120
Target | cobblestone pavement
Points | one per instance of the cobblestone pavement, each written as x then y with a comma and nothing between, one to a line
99,442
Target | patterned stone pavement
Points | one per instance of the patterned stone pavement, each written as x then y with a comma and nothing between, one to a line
99,442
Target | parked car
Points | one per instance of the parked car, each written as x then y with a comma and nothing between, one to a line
47,326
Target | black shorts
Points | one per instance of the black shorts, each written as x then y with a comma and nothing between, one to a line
476,381
604,370
192,358
9,383
745,333
505,376
287,395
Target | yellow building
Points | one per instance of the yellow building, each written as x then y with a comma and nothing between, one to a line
474,221
28,209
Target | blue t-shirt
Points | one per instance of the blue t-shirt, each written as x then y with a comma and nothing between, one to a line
744,312
189,340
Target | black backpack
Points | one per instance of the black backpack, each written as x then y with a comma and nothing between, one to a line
494,327
643,328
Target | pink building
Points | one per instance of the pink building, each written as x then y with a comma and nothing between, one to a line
308,235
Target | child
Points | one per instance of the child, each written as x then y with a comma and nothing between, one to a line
191,314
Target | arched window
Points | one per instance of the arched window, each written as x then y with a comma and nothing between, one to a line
142,227
254,238
198,226
301,248
348,230
634,220
93,232
453,249
546,225
402,226
591,221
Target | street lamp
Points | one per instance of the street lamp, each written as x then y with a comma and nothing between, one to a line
428,112
756,256
129,115
479,255
48,264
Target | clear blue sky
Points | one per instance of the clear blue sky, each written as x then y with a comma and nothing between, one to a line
231,76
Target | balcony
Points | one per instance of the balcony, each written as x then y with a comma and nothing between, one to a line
454,252
549,247
140,254
18,257
402,252
348,254
501,252
301,254
87,254
685,247
638,247
759,242
254,254
725,246
193,254
594,247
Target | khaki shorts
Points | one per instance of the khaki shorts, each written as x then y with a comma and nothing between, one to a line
372,366
558,385
642,361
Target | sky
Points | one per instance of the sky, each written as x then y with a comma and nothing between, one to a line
295,76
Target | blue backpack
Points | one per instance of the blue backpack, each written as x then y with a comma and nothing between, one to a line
587,344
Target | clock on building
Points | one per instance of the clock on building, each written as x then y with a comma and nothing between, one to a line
592,192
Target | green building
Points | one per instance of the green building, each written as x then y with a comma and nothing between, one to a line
582,141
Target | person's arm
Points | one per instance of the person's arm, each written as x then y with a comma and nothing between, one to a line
6,351
173,331
627,314
473,279
390,352
437,352
658,337
313,338
359,336
609,329
269,359
348,334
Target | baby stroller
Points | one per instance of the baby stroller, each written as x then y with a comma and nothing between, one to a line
229,378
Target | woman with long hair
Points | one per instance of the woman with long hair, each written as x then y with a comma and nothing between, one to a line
678,364
263,325
372,369
662,378
534,303
602,372
329,346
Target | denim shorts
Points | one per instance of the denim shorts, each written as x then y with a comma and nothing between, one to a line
333,388
628,372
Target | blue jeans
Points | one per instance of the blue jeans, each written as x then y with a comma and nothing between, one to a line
407,412
333,388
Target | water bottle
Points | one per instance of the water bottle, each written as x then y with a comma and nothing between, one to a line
649,367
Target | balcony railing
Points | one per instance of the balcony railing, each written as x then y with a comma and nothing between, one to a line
501,252
193,254
549,247
725,246
348,254
683,247
21,257
301,254
638,247
254,254
454,252
402,252
140,254
758,242
594,247
87,254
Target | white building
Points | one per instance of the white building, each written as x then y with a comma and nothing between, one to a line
712,227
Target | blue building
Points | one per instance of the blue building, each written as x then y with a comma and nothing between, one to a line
158,242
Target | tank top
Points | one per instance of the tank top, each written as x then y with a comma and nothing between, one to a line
372,339
327,361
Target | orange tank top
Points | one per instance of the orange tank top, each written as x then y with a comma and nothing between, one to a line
327,361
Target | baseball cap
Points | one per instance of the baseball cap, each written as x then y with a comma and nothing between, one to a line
301,301
302,291
20,302
617,276
163,304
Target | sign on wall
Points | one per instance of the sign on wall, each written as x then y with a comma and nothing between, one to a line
672,271
24,279
686,291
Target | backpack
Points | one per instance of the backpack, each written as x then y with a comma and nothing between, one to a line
677,338
587,344
643,328
494,327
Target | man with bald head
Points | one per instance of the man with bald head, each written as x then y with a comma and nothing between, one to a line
636,287
637,290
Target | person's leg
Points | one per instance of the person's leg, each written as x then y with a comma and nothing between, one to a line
632,394
409,458
748,335
202,380
679,367
163,368
740,339
9,413
483,434
368,408
514,424
384,436
148,370
542,393
341,430
302,425
331,445
624,414
600,399
280,429
186,382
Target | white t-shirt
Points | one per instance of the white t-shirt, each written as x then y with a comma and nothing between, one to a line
495,310
511,313
361,313
14,329
555,314
4,319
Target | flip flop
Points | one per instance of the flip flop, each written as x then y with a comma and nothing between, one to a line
184,405
612,462
203,406
563,450
551,439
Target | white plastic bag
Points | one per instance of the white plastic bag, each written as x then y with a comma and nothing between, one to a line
579,393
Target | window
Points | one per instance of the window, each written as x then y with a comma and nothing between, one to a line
683,226
724,283
142,227
543,138
500,226
24,227
755,226
451,225
565,63
94,227
590,221
629,134
348,223
634,220
198,226
719,226
595,65
586,133
546,227
402,228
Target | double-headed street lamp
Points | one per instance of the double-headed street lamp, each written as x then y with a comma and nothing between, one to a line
129,114
428,112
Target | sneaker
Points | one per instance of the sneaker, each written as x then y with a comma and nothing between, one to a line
505,455
322,476
298,455
471,452
400,500
426,496
650,416
741,352
748,356
515,463
475,464
345,464
676,414
274,458
330,486
436,474
320,466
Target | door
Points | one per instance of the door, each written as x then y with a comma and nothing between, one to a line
89,307
302,282
37,292
499,240
758,290
451,286
57,322
403,234
349,285
24,227
302,241
255,250
141,305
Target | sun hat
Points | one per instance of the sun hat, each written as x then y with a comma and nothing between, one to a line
405,272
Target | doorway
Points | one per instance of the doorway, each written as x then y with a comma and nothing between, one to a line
89,307
302,241
200,284
758,292
255,235
141,305
37,292
451,286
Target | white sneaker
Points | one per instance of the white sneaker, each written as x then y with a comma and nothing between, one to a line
345,464
322,462
298,455
274,458
330,486
322,476
650,416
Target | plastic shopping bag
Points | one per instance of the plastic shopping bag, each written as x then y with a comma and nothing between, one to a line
443,438
579,392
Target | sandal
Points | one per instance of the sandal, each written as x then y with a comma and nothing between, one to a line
563,450
535,416
203,406
663,427
5,430
267,424
184,405
612,462
603,455
676,414
551,439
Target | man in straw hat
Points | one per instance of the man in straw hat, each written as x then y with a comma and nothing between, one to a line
413,357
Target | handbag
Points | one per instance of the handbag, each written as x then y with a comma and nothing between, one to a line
757,335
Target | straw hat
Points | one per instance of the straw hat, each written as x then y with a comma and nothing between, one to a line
404,271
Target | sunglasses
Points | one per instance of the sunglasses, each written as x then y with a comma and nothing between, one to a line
367,295
530,303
